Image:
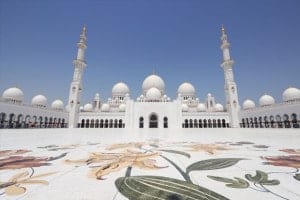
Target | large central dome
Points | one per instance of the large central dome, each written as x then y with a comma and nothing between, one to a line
153,81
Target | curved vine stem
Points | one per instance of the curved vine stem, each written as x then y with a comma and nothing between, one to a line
128,171
293,172
183,174
273,192
32,172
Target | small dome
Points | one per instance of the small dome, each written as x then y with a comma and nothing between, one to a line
291,94
186,89
81,108
248,104
184,107
219,107
39,100
88,107
266,100
201,107
13,94
122,107
120,89
153,81
57,105
105,107
153,94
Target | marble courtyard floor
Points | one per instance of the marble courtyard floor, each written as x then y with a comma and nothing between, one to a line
174,164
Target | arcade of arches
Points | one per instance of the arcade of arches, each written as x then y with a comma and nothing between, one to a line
277,121
101,123
26,121
205,123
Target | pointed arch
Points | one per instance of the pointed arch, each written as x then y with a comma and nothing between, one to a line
153,120
141,122
165,122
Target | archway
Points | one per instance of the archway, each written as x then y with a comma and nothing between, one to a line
294,121
2,120
141,122
186,123
11,121
165,122
153,121
19,121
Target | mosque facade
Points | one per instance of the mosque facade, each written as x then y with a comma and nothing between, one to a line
153,109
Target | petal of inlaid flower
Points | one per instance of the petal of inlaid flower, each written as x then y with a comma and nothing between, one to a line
18,176
14,190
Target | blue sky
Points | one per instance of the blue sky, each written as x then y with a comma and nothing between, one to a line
129,39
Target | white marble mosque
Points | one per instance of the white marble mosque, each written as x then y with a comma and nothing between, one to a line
153,108
150,147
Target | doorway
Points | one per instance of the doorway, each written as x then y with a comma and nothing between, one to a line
153,121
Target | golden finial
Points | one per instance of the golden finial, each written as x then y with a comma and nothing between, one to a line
223,29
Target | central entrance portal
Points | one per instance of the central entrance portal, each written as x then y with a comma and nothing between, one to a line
153,121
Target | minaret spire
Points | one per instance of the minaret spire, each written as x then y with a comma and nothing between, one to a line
76,85
82,44
232,102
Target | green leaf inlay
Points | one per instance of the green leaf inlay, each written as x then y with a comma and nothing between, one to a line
164,188
237,183
297,177
261,178
212,164
176,152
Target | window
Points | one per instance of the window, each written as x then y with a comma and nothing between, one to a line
186,124
165,122
101,123
191,123
115,123
121,125
153,121
110,123
87,124
141,122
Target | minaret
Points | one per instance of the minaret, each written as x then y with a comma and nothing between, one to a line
232,102
76,85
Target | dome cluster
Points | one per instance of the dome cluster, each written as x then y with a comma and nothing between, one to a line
16,95
39,101
57,104
13,94
88,107
186,89
266,100
153,90
219,107
291,94
248,104
120,89
153,81
153,94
